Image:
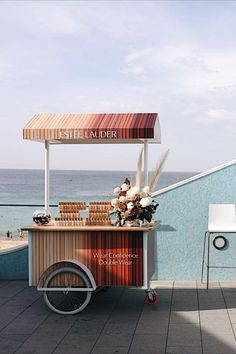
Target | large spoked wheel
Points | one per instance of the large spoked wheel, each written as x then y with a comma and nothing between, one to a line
69,301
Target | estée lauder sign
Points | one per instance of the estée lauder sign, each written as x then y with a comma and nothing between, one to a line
87,134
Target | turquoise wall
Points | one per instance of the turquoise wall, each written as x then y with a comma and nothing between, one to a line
14,265
183,212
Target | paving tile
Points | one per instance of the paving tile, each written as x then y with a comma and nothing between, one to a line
46,328
34,351
214,316
185,294
119,316
110,350
152,329
21,327
184,334
8,314
118,327
148,344
183,329
28,320
184,350
155,315
25,297
81,328
73,343
232,315
3,300
185,301
40,343
151,324
12,288
184,317
10,343
218,344
111,340
3,283
215,327
213,301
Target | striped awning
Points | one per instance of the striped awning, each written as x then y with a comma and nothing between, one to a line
94,128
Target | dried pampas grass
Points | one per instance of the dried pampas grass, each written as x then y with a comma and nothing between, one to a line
158,171
139,170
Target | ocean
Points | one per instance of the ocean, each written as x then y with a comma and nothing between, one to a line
27,187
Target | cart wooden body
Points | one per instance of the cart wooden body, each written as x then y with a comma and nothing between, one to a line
110,256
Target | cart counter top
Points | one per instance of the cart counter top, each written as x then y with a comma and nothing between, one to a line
91,228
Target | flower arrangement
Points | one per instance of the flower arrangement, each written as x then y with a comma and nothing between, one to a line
132,205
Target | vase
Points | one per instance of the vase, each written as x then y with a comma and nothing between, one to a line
144,223
131,223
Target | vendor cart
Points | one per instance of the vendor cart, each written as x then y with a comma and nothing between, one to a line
68,262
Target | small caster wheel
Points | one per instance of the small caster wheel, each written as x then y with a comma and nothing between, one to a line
151,298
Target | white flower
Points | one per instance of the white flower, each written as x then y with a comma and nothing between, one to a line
146,201
117,191
115,202
130,197
124,187
135,190
146,189
132,192
130,205
122,199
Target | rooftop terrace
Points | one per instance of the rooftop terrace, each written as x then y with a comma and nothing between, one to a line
186,320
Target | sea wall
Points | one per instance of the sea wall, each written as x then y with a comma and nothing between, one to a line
14,264
183,211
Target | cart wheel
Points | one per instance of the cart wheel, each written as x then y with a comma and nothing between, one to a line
67,302
151,298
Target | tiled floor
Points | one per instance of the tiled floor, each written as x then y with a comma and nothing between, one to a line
187,320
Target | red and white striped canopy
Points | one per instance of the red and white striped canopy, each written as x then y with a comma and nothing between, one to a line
94,128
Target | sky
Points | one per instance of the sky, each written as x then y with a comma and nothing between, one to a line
176,58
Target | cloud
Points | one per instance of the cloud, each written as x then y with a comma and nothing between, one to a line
5,68
185,68
60,22
48,18
135,55
135,70
218,115
85,56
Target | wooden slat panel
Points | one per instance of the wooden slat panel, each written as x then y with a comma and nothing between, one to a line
107,254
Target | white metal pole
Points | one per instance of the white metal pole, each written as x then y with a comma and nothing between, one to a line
46,176
145,146
145,261
30,257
